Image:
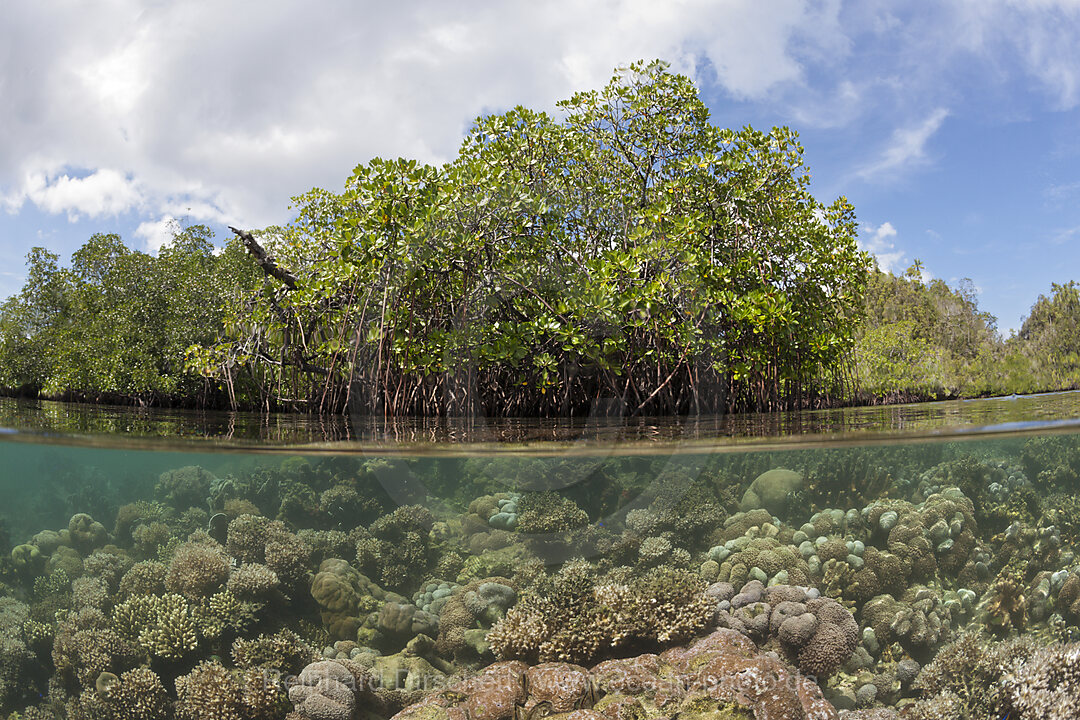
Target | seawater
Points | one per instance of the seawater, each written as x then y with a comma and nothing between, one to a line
152,578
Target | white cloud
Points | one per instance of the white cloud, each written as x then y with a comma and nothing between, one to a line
211,112
880,245
157,233
103,192
1044,32
211,107
879,242
906,148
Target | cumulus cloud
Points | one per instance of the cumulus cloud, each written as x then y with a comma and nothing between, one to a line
213,112
878,241
103,192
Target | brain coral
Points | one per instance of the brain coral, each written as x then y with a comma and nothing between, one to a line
324,690
817,633
770,490
86,533
344,596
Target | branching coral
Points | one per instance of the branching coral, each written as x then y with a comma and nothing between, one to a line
548,512
283,651
253,582
198,568
184,487
144,578
1046,685
136,695
163,626
397,549
18,660
583,617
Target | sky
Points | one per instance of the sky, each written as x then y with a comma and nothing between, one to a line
951,126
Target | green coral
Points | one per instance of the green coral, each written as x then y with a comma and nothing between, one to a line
548,512
397,548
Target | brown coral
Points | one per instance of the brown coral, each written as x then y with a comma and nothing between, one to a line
721,675
197,570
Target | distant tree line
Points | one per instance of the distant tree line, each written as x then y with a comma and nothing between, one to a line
926,340
627,258
117,325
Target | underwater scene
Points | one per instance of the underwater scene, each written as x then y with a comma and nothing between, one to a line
924,578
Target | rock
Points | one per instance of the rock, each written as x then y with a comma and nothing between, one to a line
907,670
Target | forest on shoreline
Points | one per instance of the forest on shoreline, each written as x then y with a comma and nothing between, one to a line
628,256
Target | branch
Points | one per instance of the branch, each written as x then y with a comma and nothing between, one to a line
264,260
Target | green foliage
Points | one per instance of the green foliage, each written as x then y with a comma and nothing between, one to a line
626,256
630,250
895,359
927,341
118,323
1049,338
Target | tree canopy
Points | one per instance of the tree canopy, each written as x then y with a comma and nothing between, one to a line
627,252
623,255
117,324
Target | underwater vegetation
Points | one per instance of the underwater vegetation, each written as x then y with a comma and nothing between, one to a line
919,582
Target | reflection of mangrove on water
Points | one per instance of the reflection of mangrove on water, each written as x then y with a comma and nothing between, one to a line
285,429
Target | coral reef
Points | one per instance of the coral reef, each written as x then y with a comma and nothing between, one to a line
816,633
184,487
1045,685
941,581
772,491
582,617
721,676
397,549
324,690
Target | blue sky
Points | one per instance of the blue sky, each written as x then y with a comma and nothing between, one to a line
951,126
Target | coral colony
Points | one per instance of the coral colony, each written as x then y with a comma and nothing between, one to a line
925,583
